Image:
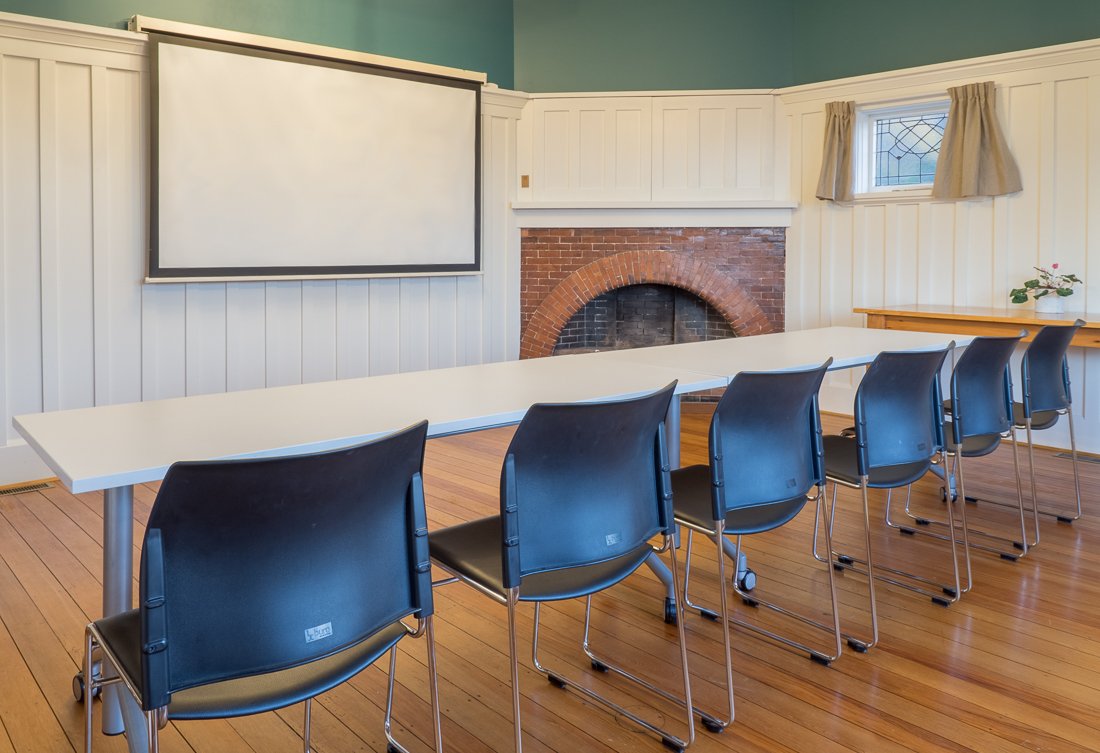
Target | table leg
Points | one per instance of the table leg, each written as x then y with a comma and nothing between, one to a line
120,712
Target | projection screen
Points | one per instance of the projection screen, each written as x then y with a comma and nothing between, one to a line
268,164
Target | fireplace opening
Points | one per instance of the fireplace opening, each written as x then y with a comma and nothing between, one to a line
637,316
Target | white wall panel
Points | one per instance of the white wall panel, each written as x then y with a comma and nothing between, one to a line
414,324
590,148
245,335
713,147
971,253
283,320
78,327
205,355
19,113
164,342
352,328
74,368
318,330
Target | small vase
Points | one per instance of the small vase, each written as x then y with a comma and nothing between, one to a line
1051,303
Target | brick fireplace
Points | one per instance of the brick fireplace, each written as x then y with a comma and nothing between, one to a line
737,273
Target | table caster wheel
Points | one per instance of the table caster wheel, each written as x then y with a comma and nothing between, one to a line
670,611
79,687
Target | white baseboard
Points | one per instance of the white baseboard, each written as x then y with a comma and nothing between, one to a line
19,463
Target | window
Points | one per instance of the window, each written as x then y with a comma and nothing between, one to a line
896,147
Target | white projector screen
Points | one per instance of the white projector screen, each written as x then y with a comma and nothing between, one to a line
267,164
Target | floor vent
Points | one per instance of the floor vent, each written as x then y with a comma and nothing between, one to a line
25,488
1082,458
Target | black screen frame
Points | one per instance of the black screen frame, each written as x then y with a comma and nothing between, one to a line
156,272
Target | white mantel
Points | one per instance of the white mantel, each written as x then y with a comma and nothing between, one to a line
758,213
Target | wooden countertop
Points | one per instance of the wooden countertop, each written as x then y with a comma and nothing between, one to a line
978,320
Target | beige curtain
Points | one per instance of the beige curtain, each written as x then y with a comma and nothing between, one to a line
974,158
835,183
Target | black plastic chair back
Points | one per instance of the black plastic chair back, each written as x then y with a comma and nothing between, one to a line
981,388
584,483
252,566
765,439
1044,370
899,409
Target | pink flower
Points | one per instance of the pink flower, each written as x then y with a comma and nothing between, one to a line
1054,266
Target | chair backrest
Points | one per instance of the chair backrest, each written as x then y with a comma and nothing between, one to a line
1044,371
765,439
899,409
252,566
981,388
583,483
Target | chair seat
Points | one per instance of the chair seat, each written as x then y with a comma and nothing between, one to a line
473,551
842,464
121,635
972,447
691,500
1040,419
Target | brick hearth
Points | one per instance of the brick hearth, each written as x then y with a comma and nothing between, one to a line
739,271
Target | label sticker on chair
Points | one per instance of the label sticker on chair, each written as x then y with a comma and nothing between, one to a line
613,538
318,632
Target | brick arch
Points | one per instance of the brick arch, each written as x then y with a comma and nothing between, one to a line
639,268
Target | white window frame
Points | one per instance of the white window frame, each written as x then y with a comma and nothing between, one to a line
863,147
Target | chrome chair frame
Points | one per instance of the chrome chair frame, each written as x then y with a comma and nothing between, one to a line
867,566
511,600
751,599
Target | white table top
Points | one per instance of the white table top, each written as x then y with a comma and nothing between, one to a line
803,349
116,445
109,446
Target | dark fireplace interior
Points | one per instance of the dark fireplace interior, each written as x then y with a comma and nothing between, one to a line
637,316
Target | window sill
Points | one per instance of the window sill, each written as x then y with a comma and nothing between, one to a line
902,196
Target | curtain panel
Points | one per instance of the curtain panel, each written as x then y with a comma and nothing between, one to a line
835,183
974,157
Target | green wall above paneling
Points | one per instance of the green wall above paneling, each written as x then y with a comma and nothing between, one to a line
622,45
843,38
472,34
611,45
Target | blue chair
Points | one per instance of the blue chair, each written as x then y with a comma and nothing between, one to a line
583,489
1045,385
264,583
980,411
898,435
765,464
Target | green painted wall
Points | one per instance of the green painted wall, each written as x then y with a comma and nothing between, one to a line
842,38
612,45
596,45
472,34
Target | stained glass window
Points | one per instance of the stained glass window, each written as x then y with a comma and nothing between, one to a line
906,148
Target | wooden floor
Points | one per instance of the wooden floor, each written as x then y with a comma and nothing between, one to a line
1014,666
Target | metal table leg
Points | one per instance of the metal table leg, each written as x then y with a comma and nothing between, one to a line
120,712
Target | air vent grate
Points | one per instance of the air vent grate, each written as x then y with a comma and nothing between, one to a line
25,488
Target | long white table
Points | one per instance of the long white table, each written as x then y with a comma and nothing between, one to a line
113,447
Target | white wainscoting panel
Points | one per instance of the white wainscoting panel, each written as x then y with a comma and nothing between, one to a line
874,252
713,147
591,148
78,327
663,146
